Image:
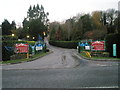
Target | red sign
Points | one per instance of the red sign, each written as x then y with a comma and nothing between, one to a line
22,48
98,45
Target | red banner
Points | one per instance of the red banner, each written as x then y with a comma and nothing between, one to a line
22,48
98,45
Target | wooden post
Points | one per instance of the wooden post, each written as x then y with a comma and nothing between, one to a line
27,55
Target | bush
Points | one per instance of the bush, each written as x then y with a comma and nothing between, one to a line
65,44
9,37
110,40
10,43
6,53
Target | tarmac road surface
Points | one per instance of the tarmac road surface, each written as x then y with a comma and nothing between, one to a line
61,69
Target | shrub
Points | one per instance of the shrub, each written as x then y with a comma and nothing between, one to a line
9,37
64,44
10,43
110,40
6,53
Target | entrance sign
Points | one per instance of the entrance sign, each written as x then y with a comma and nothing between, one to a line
98,45
114,49
22,48
39,47
87,47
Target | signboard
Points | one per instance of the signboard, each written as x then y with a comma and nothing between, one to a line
87,47
39,47
83,44
22,48
114,49
98,45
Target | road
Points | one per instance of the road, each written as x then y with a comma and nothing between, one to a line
61,69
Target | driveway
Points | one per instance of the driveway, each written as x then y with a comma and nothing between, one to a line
61,69
60,58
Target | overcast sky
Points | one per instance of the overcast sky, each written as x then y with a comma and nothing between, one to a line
59,10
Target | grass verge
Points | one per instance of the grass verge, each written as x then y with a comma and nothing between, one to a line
98,58
34,57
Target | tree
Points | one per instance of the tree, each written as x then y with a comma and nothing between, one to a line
36,21
70,27
6,27
111,16
96,19
54,27
13,28
118,22
13,25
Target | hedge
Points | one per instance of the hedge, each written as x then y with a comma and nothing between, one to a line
110,40
64,44
9,37
10,43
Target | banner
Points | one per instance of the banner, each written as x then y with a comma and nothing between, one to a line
98,45
22,48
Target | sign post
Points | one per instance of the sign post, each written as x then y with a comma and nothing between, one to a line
114,50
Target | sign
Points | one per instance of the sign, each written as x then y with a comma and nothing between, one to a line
39,47
22,48
114,49
98,45
82,44
87,47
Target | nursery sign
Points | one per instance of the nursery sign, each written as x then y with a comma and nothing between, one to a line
98,45
22,48
39,47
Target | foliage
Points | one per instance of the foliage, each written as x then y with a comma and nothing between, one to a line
34,57
6,54
110,40
9,37
86,26
6,27
11,44
64,44
36,22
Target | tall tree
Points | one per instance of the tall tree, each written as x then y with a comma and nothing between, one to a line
111,16
86,23
6,27
96,19
36,21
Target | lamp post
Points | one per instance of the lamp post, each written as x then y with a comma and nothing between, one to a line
33,38
28,37
44,33
13,35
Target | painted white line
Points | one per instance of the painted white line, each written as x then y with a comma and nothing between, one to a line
101,87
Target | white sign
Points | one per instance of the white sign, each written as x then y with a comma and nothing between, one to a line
87,47
39,48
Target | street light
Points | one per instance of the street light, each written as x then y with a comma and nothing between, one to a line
28,36
44,33
33,37
13,35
